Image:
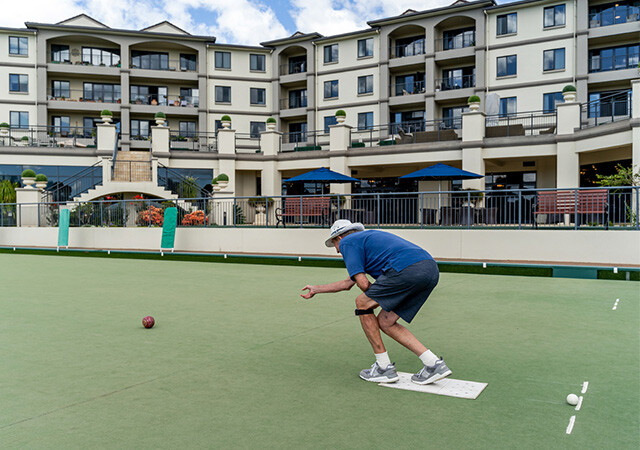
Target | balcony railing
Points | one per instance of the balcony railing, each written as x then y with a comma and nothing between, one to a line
293,67
292,103
193,141
409,132
462,40
404,50
173,65
247,143
48,136
304,141
166,100
80,95
608,63
521,124
460,82
417,87
614,16
607,109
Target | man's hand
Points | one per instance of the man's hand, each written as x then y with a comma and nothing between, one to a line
309,294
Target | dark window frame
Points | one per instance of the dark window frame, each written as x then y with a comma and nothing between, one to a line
222,60
363,48
223,91
19,45
19,114
20,83
554,16
260,61
503,24
364,124
555,59
334,88
257,91
368,84
507,66
331,53
549,103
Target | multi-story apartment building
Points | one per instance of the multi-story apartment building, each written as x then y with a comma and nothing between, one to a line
408,74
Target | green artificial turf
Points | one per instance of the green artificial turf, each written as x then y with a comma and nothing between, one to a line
238,360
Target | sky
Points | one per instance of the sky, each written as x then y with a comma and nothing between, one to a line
246,22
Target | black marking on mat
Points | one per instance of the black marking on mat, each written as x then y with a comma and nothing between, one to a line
82,402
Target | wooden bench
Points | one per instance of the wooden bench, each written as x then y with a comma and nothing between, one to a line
301,210
586,201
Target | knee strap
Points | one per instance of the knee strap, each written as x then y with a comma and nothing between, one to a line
362,312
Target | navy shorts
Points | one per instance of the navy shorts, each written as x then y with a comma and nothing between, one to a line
405,292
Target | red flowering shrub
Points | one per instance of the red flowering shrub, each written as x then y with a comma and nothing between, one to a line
195,218
153,214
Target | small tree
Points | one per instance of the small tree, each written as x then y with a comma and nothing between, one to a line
624,176
7,192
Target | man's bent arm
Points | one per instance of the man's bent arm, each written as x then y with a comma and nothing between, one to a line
362,281
343,285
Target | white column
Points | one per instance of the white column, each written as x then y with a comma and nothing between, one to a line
635,114
271,179
227,160
339,142
567,161
106,137
27,200
159,140
473,131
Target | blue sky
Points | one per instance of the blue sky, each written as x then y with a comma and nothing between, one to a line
231,21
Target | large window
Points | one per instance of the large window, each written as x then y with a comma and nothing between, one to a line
59,53
60,89
331,89
100,56
409,46
608,104
61,124
223,60
328,121
187,129
257,96
458,78
298,98
553,59
223,94
149,60
18,45
255,128
148,95
19,119
189,97
18,83
187,62
508,106
507,65
88,126
140,129
365,121
614,13
365,84
365,47
257,63
298,64
409,84
108,93
453,116
616,58
554,16
549,101
464,37
331,53
507,24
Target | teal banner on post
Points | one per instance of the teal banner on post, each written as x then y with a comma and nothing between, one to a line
63,228
169,228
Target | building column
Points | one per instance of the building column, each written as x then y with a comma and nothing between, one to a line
159,140
339,143
271,178
106,137
568,160
635,115
227,158
203,125
28,206
473,130
430,76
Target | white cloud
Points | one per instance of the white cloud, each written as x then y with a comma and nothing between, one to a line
45,11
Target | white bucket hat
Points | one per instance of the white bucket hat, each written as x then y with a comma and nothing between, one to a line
340,227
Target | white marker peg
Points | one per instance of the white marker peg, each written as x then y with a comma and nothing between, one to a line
299,258
615,270
484,265
225,256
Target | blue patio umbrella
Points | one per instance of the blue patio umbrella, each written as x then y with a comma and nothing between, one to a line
322,175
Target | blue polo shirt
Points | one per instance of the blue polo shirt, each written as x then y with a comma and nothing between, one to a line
375,251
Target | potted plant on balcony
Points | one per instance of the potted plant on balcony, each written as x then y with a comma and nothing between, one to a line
223,180
160,118
474,103
214,184
341,116
260,203
107,116
569,93
271,124
28,178
25,141
4,128
41,181
226,122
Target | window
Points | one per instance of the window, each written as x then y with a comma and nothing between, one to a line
554,16
59,53
507,24
609,104
549,101
614,13
223,60
409,84
139,129
365,48
88,126
458,78
100,56
616,58
218,126
508,106
187,129
255,128
365,84
19,119
257,96
410,46
187,62
61,124
189,97
18,83
365,121
110,93
149,60
507,65
298,98
60,89
328,121
256,63
297,64
144,95
223,94
18,45
331,53
331,89
464,37
452,117
553,59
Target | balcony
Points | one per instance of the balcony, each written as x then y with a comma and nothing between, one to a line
462,40
403,50
614,15
610,63
293,102
293,67
183,101
78,99
455,82
407,88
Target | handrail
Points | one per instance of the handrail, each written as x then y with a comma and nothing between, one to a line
203,192
115,157
58,186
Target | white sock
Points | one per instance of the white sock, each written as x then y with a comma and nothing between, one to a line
383,360
428,358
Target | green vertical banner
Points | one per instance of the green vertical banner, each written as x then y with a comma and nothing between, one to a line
63,228
169,228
